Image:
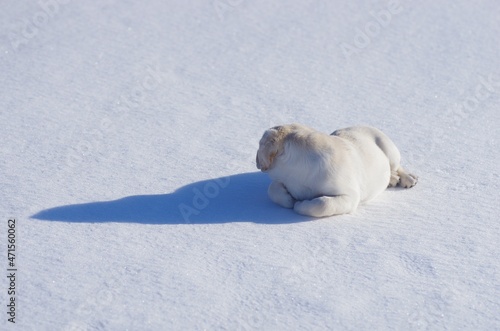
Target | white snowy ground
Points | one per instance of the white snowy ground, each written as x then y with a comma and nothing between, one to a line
119,116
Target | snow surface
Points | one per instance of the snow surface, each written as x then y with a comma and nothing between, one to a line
129,132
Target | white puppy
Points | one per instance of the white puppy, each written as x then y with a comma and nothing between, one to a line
322,175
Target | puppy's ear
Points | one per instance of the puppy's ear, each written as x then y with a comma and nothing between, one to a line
269,148
257,163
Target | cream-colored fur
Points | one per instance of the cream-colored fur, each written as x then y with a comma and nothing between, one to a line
322,175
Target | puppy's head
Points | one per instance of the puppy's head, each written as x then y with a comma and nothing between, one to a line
270,146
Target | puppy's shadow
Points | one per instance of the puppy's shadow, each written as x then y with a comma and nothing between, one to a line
236,198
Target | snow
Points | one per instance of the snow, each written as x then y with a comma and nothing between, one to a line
127,157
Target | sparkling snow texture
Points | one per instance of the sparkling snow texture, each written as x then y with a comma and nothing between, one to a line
129,132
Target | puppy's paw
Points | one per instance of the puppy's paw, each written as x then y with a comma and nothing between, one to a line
408,180
279,194
286,201
315,207
394,179
303,208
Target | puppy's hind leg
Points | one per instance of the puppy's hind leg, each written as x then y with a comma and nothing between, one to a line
393,155
406,179
399,176
327,206
279,194
394,179
402,178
